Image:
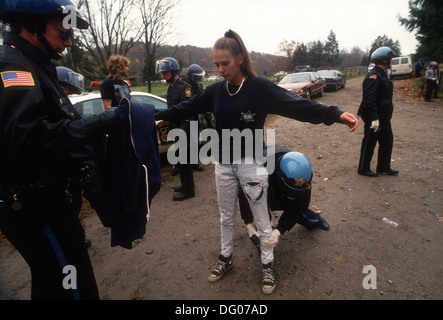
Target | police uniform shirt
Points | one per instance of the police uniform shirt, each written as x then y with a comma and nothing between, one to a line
377,96
177,92
36,128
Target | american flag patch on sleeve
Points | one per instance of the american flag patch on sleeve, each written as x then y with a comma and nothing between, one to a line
17,78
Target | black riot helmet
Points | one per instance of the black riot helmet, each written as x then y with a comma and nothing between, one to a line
33,15
383,56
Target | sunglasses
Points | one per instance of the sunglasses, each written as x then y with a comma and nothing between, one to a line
65,34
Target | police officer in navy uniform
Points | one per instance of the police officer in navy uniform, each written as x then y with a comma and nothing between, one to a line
290,186
179,91
71,82
195,76
376,111
43,143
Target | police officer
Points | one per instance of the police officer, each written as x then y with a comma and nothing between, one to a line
178,91
289,190
43,143
195,76
71,82
431,76
376,111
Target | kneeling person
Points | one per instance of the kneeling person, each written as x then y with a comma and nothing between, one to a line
289,190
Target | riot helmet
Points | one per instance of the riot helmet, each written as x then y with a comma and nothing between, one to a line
195,73
167,64
68,78
33,15
382,56
294,173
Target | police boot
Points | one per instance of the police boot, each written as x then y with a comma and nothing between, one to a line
198,167
187,183
390,172
175,170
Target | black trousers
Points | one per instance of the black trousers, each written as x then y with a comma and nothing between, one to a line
385,138
294,211
187,169
430,86
48,234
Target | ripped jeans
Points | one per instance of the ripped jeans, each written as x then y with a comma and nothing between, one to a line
253,179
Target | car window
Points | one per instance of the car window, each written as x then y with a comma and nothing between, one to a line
395,61
404,60
158,104
90,107
294,78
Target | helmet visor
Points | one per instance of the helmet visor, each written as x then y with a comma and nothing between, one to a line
198,77
163,66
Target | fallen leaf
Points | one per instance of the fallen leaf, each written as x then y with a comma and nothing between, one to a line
339,260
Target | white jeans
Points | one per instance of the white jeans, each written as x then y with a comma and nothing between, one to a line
253,179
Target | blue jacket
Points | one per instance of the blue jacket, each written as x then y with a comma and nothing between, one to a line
131,172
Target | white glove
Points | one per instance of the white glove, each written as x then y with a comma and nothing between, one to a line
375,125
252,231
272,241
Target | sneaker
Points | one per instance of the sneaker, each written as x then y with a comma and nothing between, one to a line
268,283
223,265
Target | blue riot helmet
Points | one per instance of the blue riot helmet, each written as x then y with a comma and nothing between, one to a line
167,64
33,15
294,173
75,82
383,56
195,73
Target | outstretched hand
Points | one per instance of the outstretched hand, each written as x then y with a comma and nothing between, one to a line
350,120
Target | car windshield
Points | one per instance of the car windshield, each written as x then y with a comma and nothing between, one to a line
327,73
294,78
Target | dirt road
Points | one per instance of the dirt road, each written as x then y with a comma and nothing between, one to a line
181,245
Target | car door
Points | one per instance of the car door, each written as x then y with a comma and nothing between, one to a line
317,84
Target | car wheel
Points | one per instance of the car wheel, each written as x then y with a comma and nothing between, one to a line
336,87
308,94
344,85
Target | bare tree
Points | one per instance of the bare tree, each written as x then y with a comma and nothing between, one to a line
113,29
287,48
157,24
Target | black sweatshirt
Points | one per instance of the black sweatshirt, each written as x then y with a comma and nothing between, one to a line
248,109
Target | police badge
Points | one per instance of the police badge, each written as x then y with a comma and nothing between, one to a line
247,117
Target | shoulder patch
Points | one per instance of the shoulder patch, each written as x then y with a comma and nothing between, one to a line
188,92
17,79
373,76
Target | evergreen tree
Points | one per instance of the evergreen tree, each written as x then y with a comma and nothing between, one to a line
425,19
301,55
332,51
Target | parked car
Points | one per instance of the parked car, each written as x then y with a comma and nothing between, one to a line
280,74
334,79
371,66
401,67
305,84
91,104
214,78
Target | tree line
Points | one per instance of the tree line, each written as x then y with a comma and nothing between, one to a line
139,30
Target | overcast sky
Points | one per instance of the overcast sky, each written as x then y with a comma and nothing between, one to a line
264,24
